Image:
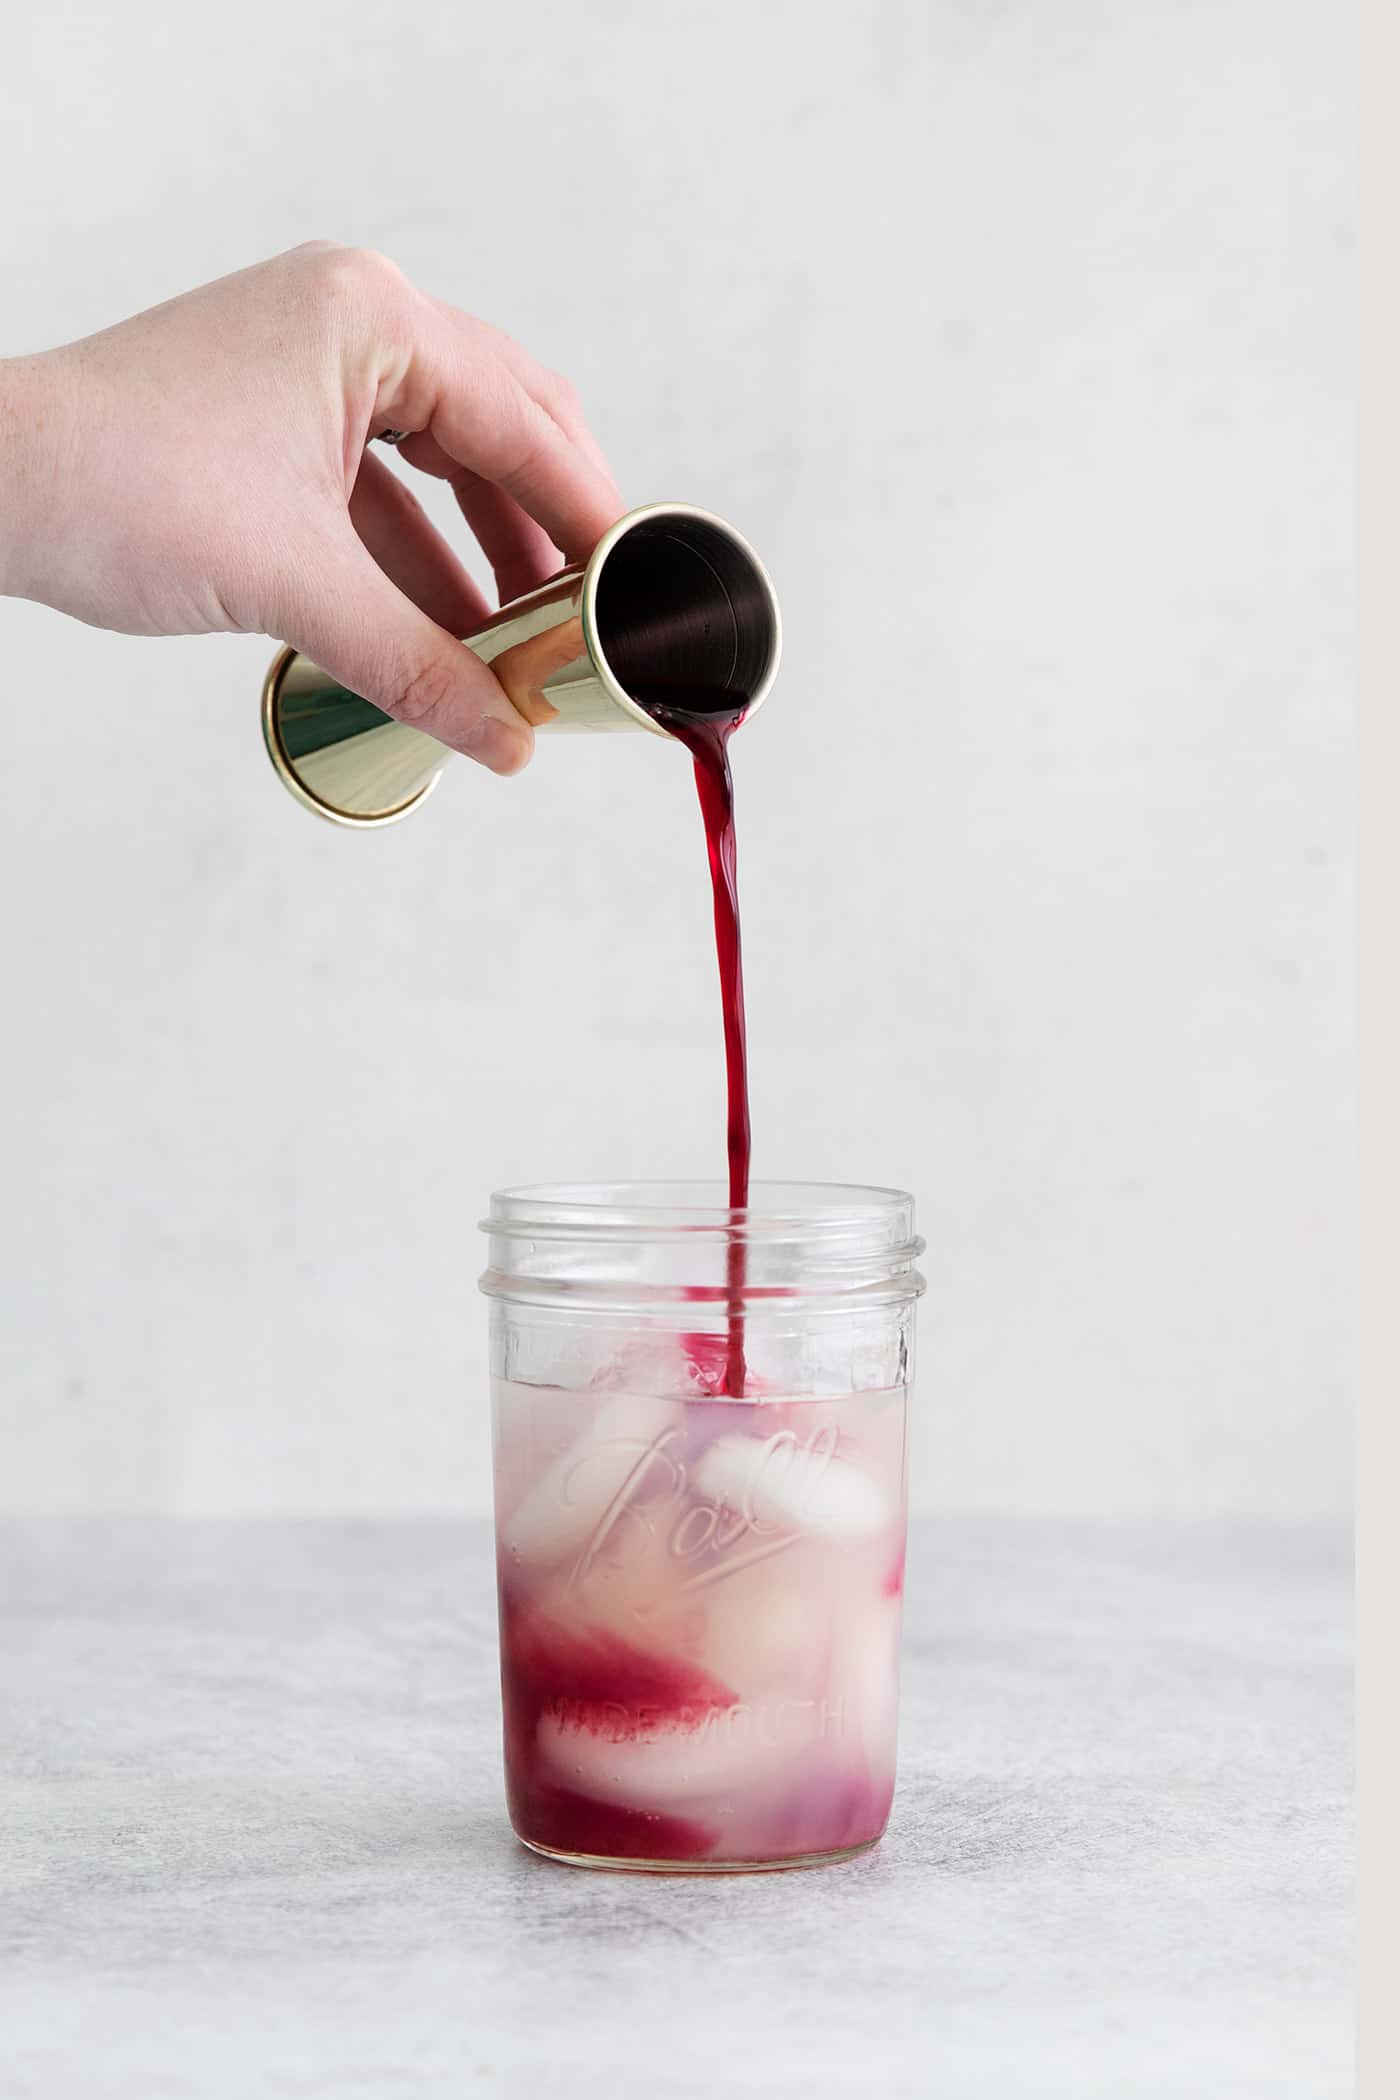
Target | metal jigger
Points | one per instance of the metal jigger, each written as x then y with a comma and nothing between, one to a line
671,605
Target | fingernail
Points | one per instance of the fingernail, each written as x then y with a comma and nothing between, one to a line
502,746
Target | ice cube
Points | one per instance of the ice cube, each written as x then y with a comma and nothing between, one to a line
619,1463
767,1625
779,1482
655,1364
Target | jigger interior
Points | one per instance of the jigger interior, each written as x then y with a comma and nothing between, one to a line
677,610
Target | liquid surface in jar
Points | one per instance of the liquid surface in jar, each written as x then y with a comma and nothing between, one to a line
700,1607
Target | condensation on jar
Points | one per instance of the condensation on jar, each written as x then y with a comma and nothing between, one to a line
700,1588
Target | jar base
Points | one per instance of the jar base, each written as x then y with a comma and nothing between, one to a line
701,1866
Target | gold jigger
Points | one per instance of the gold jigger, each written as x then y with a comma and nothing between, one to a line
672,604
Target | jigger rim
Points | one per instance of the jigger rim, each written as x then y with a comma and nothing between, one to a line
351,820
588,608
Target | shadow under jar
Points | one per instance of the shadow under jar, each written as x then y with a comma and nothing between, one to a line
700,1595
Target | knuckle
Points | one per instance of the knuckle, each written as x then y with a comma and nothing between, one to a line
511,425
352,274
524,463
422,693
377,268
563,396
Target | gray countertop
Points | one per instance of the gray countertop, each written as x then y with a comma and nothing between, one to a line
254,1839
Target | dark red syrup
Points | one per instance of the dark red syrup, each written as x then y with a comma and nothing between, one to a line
704,723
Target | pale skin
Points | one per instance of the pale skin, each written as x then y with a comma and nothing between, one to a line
208,467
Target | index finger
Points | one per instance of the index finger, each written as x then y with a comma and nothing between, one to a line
465,394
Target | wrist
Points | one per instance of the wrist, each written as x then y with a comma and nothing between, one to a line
34,439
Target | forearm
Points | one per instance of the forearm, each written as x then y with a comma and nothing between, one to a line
37,445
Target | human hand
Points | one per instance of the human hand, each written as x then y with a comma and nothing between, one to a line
203,468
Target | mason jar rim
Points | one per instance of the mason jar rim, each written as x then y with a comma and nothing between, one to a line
651,1246
647,1208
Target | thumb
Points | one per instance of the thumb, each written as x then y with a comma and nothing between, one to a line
358,626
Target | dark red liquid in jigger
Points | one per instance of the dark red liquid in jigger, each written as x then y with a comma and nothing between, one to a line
704,723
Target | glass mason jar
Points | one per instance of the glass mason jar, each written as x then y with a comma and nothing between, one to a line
700,1434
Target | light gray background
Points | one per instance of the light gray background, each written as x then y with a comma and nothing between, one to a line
1017,336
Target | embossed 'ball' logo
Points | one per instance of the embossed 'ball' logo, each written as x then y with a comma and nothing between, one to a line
724,1518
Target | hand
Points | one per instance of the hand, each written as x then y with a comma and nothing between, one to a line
203,468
